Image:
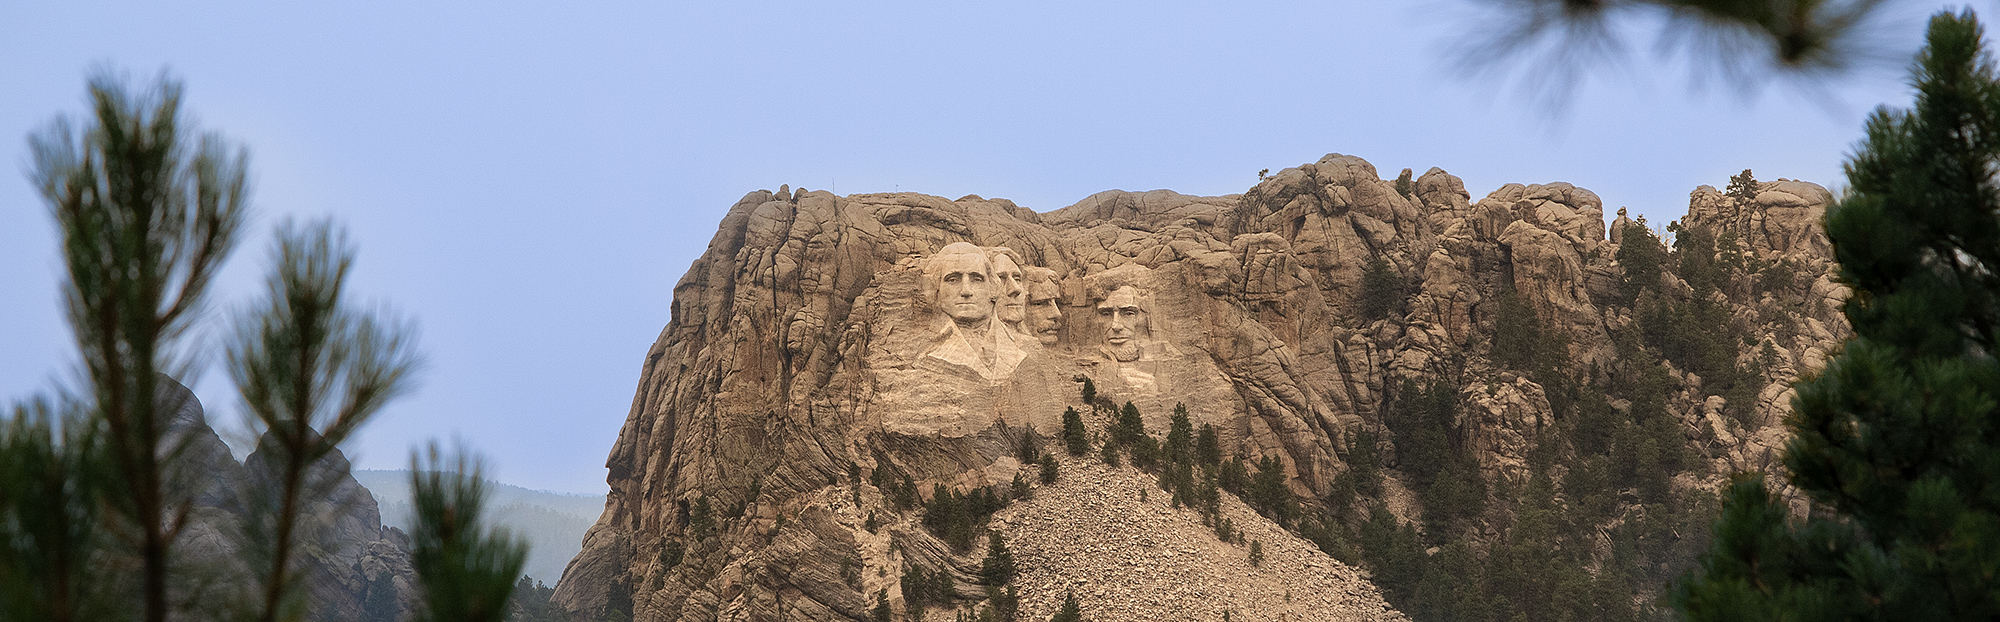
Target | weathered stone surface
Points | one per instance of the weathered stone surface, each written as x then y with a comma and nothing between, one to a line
346,549
821,337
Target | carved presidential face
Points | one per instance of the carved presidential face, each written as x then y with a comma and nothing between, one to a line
1045,311
964,285
1122,317
1012,288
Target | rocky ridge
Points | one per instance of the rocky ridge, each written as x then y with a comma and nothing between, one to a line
816,339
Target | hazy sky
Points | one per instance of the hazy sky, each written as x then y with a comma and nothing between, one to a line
529,179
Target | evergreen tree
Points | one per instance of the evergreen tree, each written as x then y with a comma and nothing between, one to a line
465,571
1642,258
1742,187
1075,439
1180,437
1208,446
1896,438
1129,427
1072,611
1381,291
998,567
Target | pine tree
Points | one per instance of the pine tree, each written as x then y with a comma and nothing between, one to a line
1129,427
1742,187
998,567
1180,437
1208,446
1896,438
1381,291
1072,611
1075,439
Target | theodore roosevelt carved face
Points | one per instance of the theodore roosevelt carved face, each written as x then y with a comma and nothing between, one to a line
963,286
1044,308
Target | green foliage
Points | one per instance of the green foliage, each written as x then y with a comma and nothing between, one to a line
1075,439
1256,553
1049,472
1382,291
1742,187
922,588
1232,476
1129,427
465,571
1146,453
1268,493
312,370
147,212
998,567
1642,258
1521,343
1778,277
1895,439
1028,445
956,518
1422,420
671,554
531,602
881,611
1363,476
1109,454
378,602
51,473
1208,447
700,519
1180,437
1072,611
1393,551
1089,391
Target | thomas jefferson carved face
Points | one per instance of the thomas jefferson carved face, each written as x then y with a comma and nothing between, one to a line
1044,309
1122,317
964,281
1011,287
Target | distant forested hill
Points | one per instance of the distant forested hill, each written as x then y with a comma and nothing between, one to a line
552,522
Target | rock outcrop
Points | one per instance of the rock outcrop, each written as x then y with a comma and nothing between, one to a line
912,337
349,556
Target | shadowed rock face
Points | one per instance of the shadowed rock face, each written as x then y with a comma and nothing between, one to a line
822,336
348,553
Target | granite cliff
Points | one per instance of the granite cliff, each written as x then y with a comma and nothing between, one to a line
1423,376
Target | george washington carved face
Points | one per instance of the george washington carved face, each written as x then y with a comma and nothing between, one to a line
962,281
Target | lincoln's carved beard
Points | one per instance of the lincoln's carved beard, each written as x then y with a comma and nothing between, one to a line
1045,312
1012,289
1125,323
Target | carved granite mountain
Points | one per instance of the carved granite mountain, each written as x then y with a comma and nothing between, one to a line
828,352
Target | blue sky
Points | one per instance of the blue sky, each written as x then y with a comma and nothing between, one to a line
529,179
